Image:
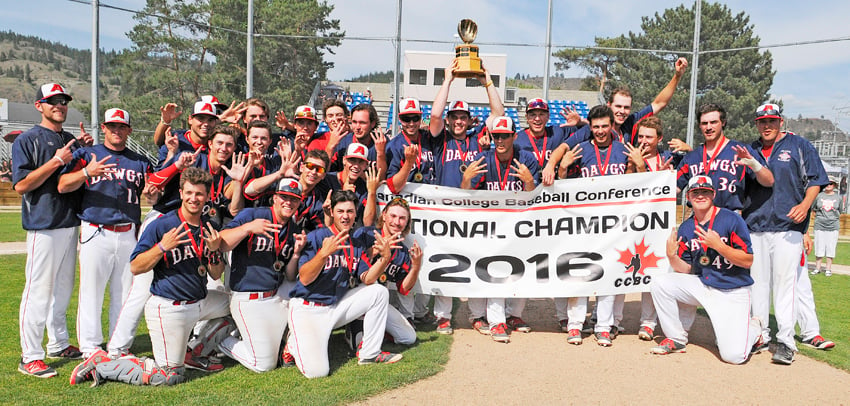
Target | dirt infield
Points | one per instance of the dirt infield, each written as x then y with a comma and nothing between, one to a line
541,367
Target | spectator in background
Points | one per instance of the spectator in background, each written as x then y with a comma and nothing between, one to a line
369,94
6,171
827,215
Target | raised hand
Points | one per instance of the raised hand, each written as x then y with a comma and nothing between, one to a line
65,154
373,179
571,116
212,237
673,244
233,113
263,227
570,156
281,121
300,242
636,156
169,113
239,168
710,238
188,159
416,254
677,145
334,243
99,168
85,138
175,237
474,169
522,172
379,140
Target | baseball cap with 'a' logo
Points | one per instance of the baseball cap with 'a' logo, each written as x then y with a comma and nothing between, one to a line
356,150
503,124
49,90
116,116
289,187
204,108
409,106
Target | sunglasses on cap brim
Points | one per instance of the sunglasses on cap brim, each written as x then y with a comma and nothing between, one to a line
410,118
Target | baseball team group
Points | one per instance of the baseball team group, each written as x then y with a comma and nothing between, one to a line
261,243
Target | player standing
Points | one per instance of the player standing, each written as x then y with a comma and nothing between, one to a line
710,255
112,178
411,152
777,217
325,296
266,246
50,219
827,223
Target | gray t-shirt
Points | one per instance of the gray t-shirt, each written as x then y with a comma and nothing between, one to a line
827,213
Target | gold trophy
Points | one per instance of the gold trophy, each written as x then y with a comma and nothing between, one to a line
466,55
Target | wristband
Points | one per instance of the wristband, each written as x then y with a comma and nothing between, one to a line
161,248
752,164
86,172
59,159
161,121
488,84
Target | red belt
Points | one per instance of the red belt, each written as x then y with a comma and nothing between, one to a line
184,302
309,303
261,295
116,228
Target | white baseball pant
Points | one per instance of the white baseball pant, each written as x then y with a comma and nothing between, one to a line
825,243
728,309
514,306
133,305
420,304
403,303
604,313
261,320
311,325
648,316
806,315
399,328
170,323
104,257
443,307
493,307
776,259
572,309
51,259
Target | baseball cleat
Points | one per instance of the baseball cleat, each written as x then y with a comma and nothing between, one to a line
382,358
668,346
70,352
574,337
500,333
37,369
783,355
645,333
603,339
480,325
286,358
428,318
83,371
201,363
564,325
517,324
444,326
819,343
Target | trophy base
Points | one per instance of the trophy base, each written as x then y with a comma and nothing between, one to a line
468,62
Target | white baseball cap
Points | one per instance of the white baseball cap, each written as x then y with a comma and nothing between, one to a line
356,150
116,116
458,105
306,113
208,98
503,124
49,90
409,106
202,107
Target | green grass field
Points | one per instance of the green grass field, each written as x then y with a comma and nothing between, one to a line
842,254
10,227
233,386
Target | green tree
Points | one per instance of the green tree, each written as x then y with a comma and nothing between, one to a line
738,80
285,69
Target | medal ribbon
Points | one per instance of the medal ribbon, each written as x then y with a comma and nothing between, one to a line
603,169
504,182
278,247
710,224
215,191
349,255
419,156
198,247
707,164
541,155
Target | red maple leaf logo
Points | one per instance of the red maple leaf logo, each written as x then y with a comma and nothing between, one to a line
637,260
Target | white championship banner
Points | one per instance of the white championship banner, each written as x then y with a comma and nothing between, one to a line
580,237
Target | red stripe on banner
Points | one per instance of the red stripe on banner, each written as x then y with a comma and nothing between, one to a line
561,206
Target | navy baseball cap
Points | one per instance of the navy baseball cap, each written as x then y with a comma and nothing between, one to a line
49,90
289,187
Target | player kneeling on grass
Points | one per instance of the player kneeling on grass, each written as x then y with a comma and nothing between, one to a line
266,245
403,270
711,256
327,296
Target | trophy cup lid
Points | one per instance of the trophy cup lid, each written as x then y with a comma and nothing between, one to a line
468,30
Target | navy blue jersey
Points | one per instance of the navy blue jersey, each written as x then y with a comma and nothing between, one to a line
498,173
624,135
719,272
310,215
242,143
170,199
729,179
796,167
176,276
541,148
340,267
452,156
663,156
43,208
334,181
252,261
423,169
264,198
218,205
400,262
114,197
602,161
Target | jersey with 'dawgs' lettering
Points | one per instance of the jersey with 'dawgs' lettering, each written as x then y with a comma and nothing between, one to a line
252,261
729,180
399,265
501,175
452,157
718,272
333,280
112,198
176,275
602,161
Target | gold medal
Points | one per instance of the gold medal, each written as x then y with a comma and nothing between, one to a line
213,211
352,281
703,260
463,168
202,270
278,265
417,176
382,278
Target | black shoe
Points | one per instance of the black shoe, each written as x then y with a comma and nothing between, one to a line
783,355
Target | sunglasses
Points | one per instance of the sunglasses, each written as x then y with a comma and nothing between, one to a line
771,112
314,167
55,100
410,118
399,201
501,136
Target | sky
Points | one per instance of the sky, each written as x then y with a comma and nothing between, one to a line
811,80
